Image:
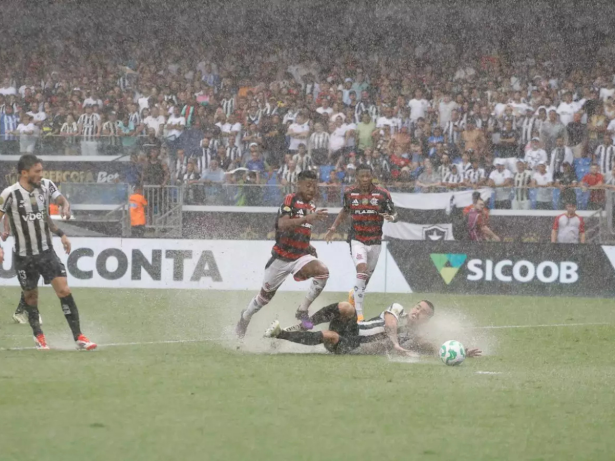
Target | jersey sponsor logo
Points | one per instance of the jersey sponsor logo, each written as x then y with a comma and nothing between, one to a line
365,212
34,216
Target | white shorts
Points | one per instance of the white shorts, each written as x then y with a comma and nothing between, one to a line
277,270
365,254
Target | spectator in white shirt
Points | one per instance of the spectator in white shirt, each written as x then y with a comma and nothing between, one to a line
299,133
535,154
567,109
175,125
418,105
155,121
568,227
544,182
445,110
387,120
27,135
7,89
324,107
337,139
501,180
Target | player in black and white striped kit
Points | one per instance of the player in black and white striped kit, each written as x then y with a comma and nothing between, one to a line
26,204
394,330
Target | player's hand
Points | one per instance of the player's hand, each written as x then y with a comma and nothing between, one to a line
66,244
474,353
1,255
66,213
397,349
388,217
4,236
329,234
320,215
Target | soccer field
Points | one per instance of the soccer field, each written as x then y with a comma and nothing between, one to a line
168,383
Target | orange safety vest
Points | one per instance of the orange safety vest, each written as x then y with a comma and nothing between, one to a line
137,210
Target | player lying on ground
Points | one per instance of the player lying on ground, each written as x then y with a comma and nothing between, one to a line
394,330
368,206
26,203
292,252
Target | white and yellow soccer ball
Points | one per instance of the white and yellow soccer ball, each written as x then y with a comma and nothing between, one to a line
452,353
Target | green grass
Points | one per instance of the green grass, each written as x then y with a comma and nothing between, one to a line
553,400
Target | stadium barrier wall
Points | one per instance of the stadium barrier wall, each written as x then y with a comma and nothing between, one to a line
534,269
198,264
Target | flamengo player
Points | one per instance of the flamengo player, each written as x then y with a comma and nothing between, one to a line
292,252
26,203
368,207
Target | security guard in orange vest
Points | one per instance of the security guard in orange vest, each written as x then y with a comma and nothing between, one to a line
138,203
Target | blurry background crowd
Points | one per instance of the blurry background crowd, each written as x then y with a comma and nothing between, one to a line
440,96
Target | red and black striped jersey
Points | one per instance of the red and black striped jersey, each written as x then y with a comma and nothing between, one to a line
364,209
293,243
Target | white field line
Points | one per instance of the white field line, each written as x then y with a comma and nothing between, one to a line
203,340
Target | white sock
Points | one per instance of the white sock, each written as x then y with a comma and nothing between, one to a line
318,284
359,291
255,305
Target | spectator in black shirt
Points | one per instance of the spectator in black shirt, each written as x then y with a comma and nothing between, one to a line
508,148
577,135
566,180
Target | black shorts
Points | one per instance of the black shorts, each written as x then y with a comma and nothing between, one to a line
30,268
349,336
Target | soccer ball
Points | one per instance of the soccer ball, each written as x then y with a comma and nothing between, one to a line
452,353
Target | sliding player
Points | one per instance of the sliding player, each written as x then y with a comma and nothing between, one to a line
394,330
368,206
292,253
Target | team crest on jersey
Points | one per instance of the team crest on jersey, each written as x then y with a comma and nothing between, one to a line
41,198
355,202
374,201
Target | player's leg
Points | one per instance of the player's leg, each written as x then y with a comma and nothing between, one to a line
28,275
276,272
359,253
341,337
20,315
54,272
319,273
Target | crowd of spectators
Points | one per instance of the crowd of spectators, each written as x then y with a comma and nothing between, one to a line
521,123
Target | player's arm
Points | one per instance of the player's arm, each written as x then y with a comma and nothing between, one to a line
341,217
59,232
389,210
390,328
1,250
285,222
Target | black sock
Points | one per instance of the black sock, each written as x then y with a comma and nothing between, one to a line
326,314
307,338
22,304
33,319
72,314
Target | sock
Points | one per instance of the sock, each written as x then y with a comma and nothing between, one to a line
359,292
318,284
33,319
71,313
307,338
326,314
255,305
22,304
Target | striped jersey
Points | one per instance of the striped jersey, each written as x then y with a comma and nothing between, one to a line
293,243
365,210
372,330
27,213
